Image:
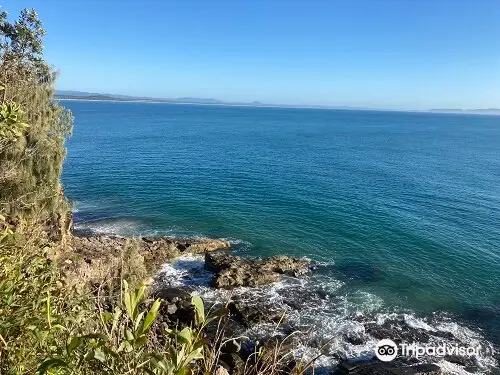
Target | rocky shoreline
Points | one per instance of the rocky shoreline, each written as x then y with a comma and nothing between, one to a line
100,254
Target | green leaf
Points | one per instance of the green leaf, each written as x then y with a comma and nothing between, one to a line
139,293
180,356
195,354
200,308
183,371
106,317
99,355
141,341
138,321
51,363
185,335
121,347
127,300
116,318
151,316
89,355
129,335
73,344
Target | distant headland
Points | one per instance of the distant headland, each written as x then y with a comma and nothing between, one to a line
82,95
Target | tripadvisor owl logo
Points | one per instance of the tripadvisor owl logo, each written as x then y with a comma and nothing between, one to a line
386,350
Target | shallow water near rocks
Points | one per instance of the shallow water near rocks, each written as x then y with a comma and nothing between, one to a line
401,210
323,319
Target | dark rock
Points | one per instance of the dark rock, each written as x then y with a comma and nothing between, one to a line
291,266
232,271
233,363
398,331
200,245
354,338
299,298
386,368
379,332
224,365
461,360
322,294
176,307
277,350
423,369
171,294
231,346
249,315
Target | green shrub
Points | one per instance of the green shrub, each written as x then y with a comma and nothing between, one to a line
33,128
35,309
125,344
12,126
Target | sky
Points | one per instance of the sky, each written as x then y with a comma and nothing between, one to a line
394,54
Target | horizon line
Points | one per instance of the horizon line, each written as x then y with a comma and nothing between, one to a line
78,95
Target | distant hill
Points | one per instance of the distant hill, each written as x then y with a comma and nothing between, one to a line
484,111
82,95
198,100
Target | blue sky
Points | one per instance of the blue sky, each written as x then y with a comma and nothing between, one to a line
399,54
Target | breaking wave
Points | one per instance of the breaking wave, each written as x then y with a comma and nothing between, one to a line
332,321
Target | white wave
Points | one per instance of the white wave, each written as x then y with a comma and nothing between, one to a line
119,226
326,320
185,270
415,322
454,369
237,241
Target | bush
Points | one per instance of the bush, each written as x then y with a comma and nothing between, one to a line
33,129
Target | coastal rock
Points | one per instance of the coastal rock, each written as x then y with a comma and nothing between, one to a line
151,247
386,368
232,271
256,313
465,361
183,245
176,308
399,330
233,363
231,346
92,259
160,249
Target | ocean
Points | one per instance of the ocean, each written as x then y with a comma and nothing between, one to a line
399,211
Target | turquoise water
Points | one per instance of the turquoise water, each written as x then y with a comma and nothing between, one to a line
401,206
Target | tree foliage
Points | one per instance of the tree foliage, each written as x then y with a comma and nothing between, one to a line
33,128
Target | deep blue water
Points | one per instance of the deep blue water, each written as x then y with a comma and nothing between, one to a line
401,206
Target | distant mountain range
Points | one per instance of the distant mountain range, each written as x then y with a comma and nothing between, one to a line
485,111
82,95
